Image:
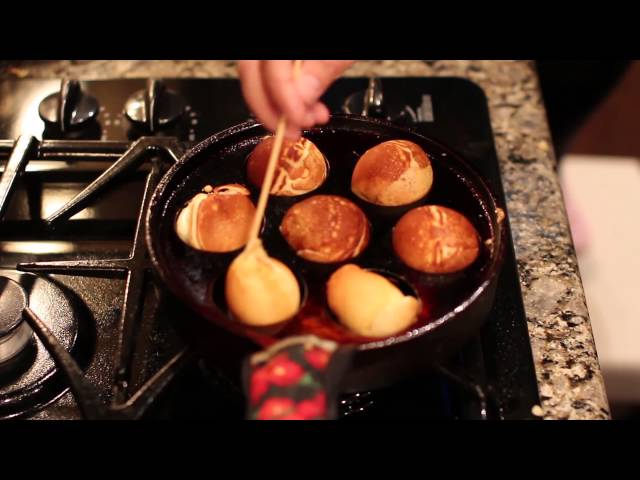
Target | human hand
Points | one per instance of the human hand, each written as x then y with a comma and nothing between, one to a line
270,90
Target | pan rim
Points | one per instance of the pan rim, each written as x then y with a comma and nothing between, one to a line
494,263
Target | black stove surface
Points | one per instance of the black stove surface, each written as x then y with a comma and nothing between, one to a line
492,378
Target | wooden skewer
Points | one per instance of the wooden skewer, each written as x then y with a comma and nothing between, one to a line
271,168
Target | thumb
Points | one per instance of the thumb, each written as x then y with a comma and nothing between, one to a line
316,76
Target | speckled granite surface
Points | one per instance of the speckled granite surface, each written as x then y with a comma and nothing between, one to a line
569,378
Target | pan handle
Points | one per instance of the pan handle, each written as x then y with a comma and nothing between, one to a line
295,379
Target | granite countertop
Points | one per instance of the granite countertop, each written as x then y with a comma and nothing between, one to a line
569,378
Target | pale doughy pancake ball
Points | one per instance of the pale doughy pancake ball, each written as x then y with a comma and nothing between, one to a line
369,304
261,290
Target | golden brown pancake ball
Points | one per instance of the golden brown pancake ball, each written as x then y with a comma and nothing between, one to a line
326,229
435,239
301,167
217,220
393,173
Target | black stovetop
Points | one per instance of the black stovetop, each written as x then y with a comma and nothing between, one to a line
85,310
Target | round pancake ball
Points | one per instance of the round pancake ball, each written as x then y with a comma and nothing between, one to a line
435,239
326,229
393,173
218,220
368,304
301,167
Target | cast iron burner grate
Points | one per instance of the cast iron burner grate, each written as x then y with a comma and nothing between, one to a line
135,269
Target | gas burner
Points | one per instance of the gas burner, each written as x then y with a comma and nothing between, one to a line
29,380
356,404
435,391
14,332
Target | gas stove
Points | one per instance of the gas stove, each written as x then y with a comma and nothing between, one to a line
86,332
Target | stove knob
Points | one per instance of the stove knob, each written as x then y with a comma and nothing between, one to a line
69,108
368,103
155,107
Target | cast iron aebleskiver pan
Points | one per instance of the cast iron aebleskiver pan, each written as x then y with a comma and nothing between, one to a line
455,305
